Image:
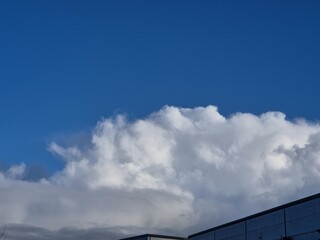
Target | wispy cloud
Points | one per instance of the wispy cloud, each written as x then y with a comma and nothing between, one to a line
179,169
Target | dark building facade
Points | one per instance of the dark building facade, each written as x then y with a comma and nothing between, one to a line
298,220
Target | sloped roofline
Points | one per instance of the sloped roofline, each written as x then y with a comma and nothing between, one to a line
152,235
302,200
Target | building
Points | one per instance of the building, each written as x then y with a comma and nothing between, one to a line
153,237
298,220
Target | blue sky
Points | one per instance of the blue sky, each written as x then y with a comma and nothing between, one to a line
67,64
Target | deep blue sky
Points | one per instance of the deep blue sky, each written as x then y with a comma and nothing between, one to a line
66,64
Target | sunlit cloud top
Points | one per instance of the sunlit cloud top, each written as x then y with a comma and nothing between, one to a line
179,169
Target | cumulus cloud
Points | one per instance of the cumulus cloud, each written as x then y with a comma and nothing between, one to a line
178,170
27,232
16,171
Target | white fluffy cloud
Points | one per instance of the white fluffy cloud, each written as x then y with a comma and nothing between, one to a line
179,169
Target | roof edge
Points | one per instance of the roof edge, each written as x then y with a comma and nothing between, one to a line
152,235
305,199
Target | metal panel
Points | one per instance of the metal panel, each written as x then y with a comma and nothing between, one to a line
232,232
268,226
205,236
162,238
307,236
141,238
303,218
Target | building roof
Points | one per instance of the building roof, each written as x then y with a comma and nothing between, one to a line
257,214
152,235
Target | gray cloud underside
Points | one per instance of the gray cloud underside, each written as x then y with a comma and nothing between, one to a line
177,171
27,232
